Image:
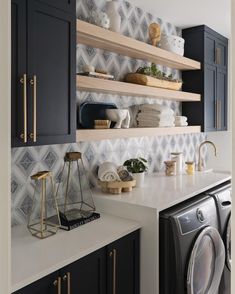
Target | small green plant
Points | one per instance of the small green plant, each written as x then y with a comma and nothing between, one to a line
154,72
136,165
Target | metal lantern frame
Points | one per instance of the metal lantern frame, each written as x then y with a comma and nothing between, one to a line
69,159
47,225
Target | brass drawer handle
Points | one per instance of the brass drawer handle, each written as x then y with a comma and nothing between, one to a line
33,82
113,255
218,56
67,278
57,283
23,81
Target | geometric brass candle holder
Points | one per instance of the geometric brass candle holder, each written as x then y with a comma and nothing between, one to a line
43,218
74,197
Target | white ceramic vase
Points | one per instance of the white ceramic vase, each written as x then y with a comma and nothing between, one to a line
139,177
114,16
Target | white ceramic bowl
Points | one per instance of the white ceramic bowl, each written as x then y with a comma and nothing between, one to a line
173,44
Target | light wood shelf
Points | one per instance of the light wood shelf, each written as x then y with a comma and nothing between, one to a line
114,87
94,36
97,135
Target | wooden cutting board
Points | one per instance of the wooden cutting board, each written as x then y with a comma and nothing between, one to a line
145,80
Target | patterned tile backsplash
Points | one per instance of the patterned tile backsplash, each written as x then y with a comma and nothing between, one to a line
26,161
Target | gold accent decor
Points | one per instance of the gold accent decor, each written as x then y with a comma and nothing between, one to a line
155,33
44,219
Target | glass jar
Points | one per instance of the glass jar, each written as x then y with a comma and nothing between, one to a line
170,168
190,167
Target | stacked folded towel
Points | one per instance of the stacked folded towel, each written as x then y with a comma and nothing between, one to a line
108,172
155,115
181,121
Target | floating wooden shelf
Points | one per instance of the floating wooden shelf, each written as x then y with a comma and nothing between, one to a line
94,36
113,87
97,135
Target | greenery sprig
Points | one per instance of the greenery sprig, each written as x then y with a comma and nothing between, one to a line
154,72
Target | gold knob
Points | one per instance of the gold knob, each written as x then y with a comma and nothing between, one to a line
55,283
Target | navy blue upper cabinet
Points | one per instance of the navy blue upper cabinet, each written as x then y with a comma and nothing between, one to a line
211,49
66,5
43,73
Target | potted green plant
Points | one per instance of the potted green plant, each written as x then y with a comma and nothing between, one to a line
138,167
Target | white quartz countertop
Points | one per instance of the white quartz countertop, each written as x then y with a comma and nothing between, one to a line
33,258
160,192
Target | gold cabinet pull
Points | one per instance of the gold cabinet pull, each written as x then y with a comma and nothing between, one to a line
113,254
33,82
57,283
67,278
219,115
218,56
23,81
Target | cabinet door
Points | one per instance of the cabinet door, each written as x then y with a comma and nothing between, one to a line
66,5
52,62
46,285
123,265
210,45
221,102
87,275
221,54
18,69
210,115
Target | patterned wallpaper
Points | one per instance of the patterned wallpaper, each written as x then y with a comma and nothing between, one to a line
26,161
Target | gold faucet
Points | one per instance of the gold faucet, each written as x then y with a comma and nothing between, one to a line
200,161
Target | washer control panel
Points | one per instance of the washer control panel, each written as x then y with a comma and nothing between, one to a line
196,217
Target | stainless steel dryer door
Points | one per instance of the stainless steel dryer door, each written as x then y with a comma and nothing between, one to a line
206,263
228,244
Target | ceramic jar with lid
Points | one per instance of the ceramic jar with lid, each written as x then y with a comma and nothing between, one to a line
178,157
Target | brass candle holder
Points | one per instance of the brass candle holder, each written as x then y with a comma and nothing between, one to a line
44,218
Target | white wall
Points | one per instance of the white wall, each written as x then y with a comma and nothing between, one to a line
184,13
5,147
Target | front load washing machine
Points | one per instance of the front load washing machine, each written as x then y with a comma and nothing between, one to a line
222,196
192,252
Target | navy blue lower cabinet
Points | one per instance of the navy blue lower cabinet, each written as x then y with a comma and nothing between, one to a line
87,275
47,285
112,269
211,49
123,265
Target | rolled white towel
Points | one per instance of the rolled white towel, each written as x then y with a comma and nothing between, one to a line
181,119
178,124
108,172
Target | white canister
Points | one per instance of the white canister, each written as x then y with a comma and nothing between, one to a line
114,16
178,157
